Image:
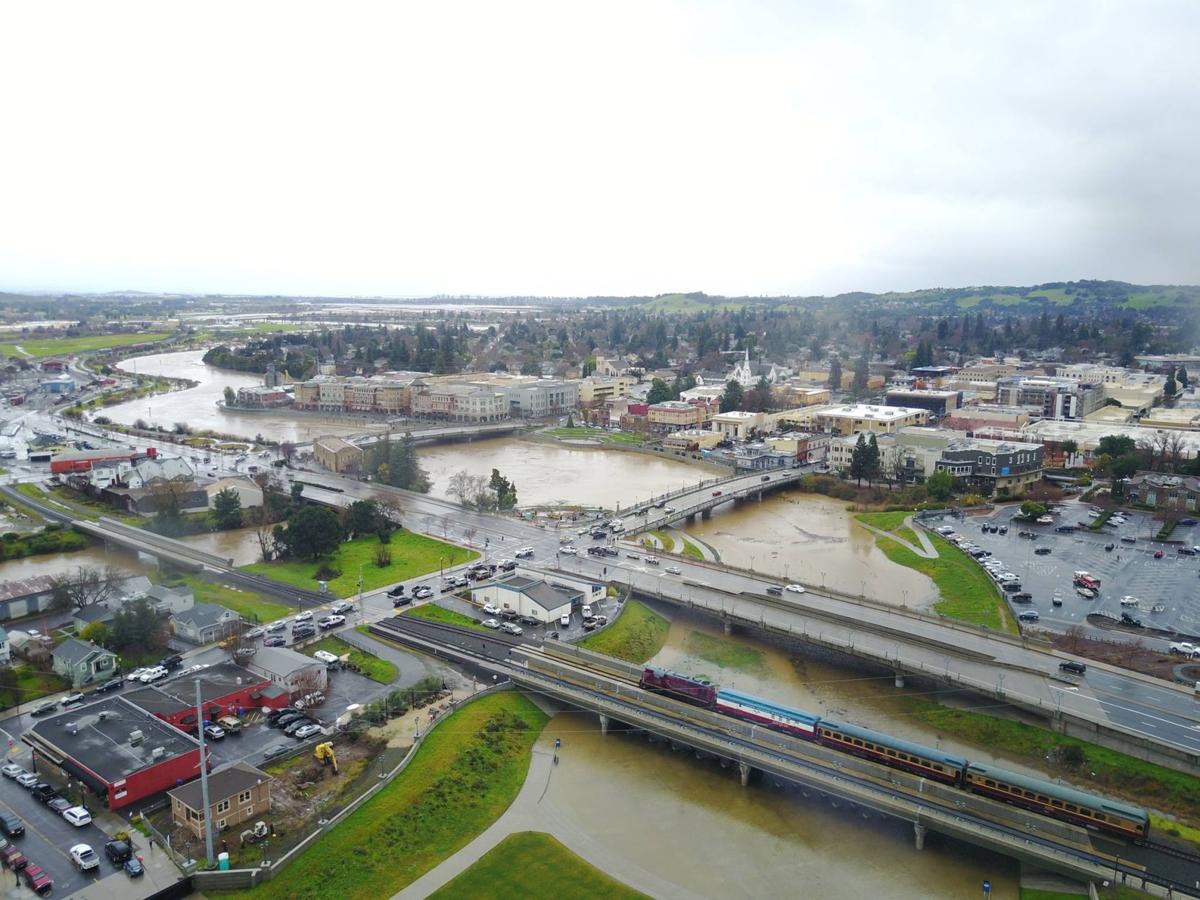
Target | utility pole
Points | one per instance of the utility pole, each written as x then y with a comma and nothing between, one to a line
208,845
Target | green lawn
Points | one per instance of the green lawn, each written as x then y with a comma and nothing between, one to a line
885,521
250,606
463,777
412,555
636,636
725,653
64,346
1102,770
31,685
367,663
668,542
967,592
1038,894
440,614
690,549
534,866
595,434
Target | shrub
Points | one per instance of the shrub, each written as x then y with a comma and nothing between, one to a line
326,572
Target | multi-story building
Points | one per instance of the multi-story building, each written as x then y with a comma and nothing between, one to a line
1170,492
858,417
1054,398
937,402
338,455
737,425
1092,373
600,388
984,372
1002,467
260,397
543,398
675,415
792,393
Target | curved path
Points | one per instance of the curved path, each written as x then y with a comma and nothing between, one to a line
535,810
926,550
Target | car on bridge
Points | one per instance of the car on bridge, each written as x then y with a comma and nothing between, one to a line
673,570
717,493
796,588
524,553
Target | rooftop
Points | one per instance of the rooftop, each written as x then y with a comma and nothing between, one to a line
863,411
222,784
216,681
335,444
281,660
25,587
97,736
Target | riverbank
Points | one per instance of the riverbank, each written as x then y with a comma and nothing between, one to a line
465,774
598,442
636,636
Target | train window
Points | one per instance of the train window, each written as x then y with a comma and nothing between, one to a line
989,782
1072,807
1055,802
1100,817
1029,794
1043,799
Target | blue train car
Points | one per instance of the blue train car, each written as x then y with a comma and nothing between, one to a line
763,712
890,751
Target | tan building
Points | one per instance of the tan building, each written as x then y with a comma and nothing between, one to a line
737,425
675,415
237,793
692,439
862,417
599,389
338,455
794,393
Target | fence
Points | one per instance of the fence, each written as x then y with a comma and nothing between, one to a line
233,879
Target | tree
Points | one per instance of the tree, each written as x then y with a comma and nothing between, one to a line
86,586
230,396
1182,377
858,458
288,451
858,387
835,374
660,391
312,531
95,632
505,490
136,629
260,519
871,463
940,485
732,398
1170,387
227,509
1115,445
1031,509
361,518
169,497
1069,448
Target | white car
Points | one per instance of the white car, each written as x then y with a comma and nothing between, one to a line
491,609
12,770
326,657
281,625
28,780
77,816
524,552
154,674
563,622
84,857
136,674
490,623
306,731
587,610
254,633
651,560
795,588
1179,647
673,570
1130,600
342,608
331,621
305,616
568,550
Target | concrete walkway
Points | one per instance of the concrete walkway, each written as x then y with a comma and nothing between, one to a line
535,810
709,554
926,550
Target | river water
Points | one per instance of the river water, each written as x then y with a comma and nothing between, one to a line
547,474
811,538
198,406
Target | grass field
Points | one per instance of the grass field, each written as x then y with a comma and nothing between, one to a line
534,866
367,663
64,346
413,555
31,685
892,522
690,549
967,592
668,542
249,606
1115,774
595,434
463,777
725,653
636,636
436,613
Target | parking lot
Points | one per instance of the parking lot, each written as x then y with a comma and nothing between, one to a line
1125,570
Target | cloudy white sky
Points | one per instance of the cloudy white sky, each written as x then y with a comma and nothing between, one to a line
607,148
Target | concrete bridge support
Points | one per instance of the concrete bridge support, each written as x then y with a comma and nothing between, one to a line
919,835
899,679
744,772
728,627
604,720
706,514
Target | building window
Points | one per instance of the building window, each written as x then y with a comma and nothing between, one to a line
244,797
223,806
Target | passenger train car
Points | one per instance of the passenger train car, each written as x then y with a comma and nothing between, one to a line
1054,800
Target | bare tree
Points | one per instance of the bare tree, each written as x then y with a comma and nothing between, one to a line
287,450
1174,447
469,533
460,486
86,586
260,521
391,509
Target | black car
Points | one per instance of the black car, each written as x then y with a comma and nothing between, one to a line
508,614
111,685
1011,587
171,662
277,750
610,551
43,793
117,852
1075,668
530,621
1127,619
1022,597
508,565
1108,547
1004,529
1042,551
401,601
397,591
1065,529
303,631
11,825
287,719
1186,551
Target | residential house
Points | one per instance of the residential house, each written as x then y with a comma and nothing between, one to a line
1174,493
148,472
25,597
167,600
236,793
203,623
294,671
82,662
249,493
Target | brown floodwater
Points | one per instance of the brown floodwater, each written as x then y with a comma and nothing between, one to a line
198,406
548,474
811,538
691,823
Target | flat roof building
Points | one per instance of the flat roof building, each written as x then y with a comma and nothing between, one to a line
225,689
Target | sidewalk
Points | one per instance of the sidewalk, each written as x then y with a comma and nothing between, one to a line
535,810
114,883
926,550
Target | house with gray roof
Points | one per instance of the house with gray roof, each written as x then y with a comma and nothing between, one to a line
236,793
82,662
203,623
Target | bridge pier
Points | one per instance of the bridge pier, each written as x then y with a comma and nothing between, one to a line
727,627
604,720
919,835
899,679
744,772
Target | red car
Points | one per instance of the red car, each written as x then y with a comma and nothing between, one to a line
1158,554
39,882
13,857
716,493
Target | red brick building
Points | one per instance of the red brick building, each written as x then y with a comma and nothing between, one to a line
225,690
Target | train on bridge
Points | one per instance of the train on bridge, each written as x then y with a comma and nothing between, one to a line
1044,797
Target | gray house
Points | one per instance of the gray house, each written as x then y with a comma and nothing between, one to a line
204,623
167,600
83,663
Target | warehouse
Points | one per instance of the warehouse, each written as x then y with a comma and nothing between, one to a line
116,750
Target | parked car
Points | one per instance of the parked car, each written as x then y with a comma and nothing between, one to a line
276,750
305,732
1184,647
1056,600
402,601
490,623
118,851
153,674
230,724
328,622
509,615
214,732
1086,593
300,632
44,707
11,856
397,591
84,857
568,550
507,565
1028,615
277,626
1022,597
36,879
28,780
133,867
72,698
42,793
12,770
11,825
77,816
491,609
254,633
1186,551
422,592
326,657
1042,551
1158,554
1065,529
305,616
340,609
274,641
510,628
291,729
589,624
171,662
1128,540
795,588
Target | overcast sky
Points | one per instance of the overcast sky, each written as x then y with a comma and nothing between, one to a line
565,148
